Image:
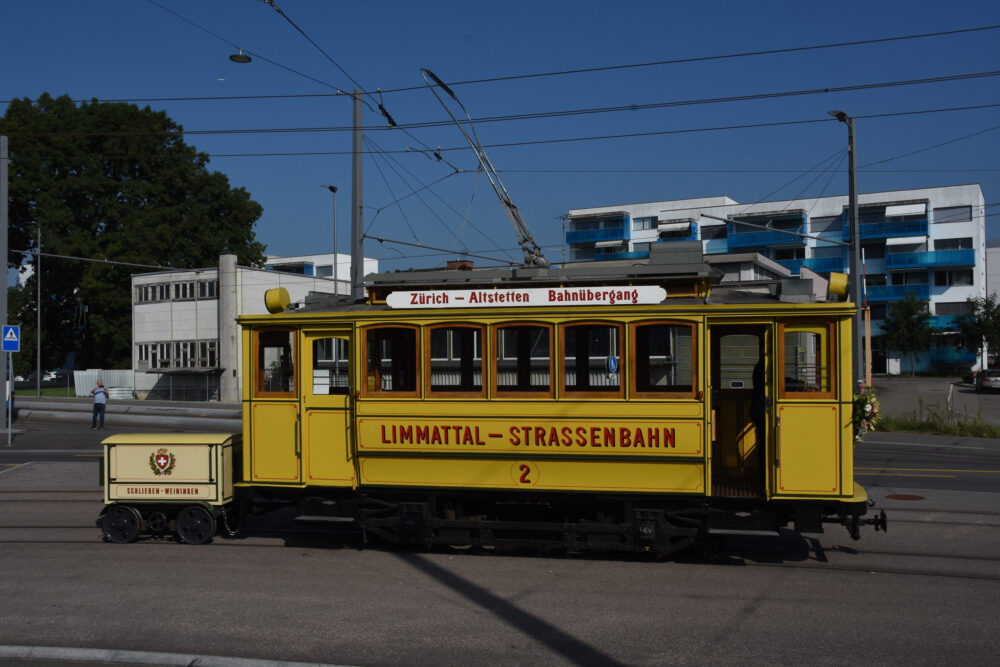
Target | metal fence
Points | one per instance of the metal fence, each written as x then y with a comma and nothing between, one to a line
118,382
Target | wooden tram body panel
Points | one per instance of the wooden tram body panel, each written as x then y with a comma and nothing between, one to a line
561,441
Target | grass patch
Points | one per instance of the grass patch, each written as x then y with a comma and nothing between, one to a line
56,392
936,421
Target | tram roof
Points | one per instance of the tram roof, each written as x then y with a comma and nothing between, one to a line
680,267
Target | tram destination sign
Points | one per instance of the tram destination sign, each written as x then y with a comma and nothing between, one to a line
625,295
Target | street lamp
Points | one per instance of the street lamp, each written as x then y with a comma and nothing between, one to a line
336,285
855,258
240,57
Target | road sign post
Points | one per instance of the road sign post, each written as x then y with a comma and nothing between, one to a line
11,340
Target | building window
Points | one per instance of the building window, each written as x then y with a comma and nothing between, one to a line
185,354
184,291
825,223
789,253
953,214
208,289
910,278
878,310
208,353
873,250
154,355
325,271
953,244
709,232
955,277
951,308
642,224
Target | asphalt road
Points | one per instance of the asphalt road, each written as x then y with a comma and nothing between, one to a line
925,593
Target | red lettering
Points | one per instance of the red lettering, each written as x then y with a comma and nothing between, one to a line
478,441
406,434
514,440
626,437
609,437
581,436
668,437
540,436
423,434
595,433
639,440
384,440
567,436
524,473
436,436
653,437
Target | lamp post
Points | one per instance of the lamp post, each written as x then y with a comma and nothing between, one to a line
336,285
38,309
855,258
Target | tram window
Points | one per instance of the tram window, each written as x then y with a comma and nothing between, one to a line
329,370
524,359
591,358
664,358
391,360
275,363
806,360
456,359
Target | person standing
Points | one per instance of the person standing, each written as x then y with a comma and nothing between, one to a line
100,395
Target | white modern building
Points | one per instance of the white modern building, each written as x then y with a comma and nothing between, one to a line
185,341
929,242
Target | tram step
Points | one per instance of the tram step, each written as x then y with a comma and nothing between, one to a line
318,518
743,523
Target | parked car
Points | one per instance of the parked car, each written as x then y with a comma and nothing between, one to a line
988,380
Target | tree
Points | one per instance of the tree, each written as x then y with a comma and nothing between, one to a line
980,327
110,181
907,328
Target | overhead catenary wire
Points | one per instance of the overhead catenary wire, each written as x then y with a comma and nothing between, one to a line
515,77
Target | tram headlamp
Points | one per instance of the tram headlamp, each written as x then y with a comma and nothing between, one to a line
277,300
838,286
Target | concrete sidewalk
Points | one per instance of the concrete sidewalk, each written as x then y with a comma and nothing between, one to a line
193,414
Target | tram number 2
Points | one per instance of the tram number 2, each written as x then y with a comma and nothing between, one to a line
525,473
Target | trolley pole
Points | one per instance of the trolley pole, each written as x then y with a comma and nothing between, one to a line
858,347
357,201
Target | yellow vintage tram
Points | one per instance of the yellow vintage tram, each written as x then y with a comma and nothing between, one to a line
599,406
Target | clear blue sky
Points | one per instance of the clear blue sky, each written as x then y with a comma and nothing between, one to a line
135,50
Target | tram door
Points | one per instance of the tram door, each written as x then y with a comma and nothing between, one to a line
741,372
272,420
327,453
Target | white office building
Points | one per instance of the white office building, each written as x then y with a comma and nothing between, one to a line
929,242
185,341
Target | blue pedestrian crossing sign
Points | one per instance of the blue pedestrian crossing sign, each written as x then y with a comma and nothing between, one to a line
11,338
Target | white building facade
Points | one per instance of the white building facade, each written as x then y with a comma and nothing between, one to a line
186,344
928,242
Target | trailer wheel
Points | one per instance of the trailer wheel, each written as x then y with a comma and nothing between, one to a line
121,524
195,525
157,522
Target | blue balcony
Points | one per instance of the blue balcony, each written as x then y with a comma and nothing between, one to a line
897,292
817,264
885,230
756,239
946,322
952,355
926,260
595,235
636,254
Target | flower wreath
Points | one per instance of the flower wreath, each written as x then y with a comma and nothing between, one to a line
867,411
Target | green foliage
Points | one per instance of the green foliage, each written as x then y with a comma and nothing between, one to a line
981,327
907,327
115,182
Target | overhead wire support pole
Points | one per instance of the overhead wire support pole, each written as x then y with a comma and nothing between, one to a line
855,256
532,252
4,370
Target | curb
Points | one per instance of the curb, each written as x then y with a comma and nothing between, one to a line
138,419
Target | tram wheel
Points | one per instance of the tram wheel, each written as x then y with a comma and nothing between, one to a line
195,525
157,522
121,524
